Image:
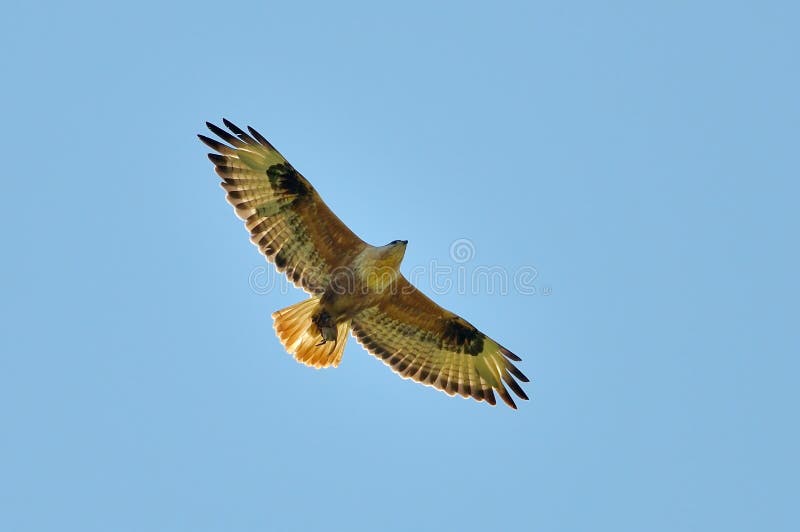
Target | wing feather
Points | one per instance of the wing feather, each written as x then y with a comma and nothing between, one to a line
286,217
422,341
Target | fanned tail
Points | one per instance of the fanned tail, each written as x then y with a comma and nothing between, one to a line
302,338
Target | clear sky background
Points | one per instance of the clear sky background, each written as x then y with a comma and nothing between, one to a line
642,157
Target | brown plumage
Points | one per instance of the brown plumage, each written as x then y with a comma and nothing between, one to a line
354,286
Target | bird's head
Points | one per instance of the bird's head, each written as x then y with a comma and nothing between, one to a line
393,252
381,265
398,248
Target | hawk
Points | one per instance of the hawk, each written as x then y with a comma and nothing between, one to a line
354,287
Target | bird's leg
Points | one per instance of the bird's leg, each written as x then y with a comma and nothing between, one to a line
326,340
325,326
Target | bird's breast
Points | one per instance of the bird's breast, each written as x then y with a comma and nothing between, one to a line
362,285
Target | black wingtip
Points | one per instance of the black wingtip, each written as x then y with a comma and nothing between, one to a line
488,396
226,136
515,387
215,144
239,132
509,355
215,129
217,159
260,138
506,397
233,127
516,372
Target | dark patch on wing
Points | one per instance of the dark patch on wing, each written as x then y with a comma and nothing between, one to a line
463,336
285,178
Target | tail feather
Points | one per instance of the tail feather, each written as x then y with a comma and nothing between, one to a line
302,339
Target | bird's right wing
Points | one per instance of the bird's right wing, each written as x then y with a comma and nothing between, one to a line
286,217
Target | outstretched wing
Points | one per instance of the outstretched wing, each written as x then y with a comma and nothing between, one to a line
422,341
287,219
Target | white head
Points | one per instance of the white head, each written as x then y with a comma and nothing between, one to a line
392,253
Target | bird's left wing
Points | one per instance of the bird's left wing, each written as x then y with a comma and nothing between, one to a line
422,341
286,217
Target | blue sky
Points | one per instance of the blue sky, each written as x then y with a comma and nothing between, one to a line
641,159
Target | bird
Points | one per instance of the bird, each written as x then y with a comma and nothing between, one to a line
354,287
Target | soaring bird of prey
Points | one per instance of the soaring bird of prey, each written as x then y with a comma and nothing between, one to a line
354,286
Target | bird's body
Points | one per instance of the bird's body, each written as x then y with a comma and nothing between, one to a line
362,284
354,286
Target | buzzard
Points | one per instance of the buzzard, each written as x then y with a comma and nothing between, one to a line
354,287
